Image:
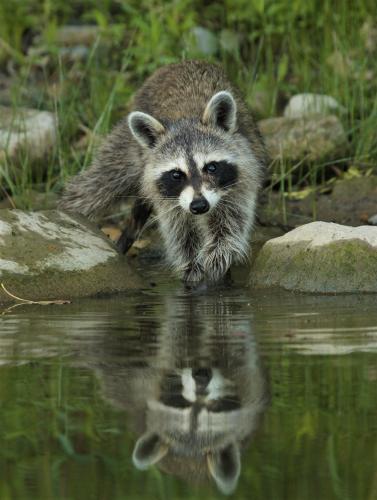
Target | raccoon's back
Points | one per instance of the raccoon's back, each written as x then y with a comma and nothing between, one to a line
181,90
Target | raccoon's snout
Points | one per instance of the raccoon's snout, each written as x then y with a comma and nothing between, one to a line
199,206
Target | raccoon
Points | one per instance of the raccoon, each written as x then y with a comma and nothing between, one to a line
195,391
191,153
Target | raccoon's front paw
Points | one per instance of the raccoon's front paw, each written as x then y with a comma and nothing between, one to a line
193,274
216,264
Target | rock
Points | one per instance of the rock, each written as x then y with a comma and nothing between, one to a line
205,41
351,202
27,130
373,220
297,138
52,255
260,236
77,53
77,35
304,105
319,257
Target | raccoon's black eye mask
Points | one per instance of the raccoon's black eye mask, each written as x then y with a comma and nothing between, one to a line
171,183
221,173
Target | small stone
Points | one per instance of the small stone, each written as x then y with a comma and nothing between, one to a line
373,220
296,139
304,105
78,53
77,35
319,257
28,130
53,255
205,41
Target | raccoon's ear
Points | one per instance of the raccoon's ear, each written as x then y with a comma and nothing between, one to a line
148,451
225,466
145,128
221,111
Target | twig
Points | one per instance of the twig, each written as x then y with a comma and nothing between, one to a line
39,302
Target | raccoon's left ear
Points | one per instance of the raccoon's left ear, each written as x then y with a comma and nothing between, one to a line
148,451
221,111
145,128
225,466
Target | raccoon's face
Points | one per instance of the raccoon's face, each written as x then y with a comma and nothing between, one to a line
192,162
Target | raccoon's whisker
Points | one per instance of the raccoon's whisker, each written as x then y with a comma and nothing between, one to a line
139,197
235,183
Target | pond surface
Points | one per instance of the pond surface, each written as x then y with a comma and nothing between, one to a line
170,394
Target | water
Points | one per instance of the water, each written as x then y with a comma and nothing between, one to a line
171,394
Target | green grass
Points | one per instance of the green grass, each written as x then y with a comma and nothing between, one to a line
278,48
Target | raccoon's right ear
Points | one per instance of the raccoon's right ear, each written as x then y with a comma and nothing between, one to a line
145,128
221,111
148,451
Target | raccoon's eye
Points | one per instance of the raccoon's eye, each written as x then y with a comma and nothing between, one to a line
177,175
210,167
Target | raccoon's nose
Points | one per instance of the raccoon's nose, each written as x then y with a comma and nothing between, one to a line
202,376
199,206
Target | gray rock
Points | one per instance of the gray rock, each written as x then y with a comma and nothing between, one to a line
205,41
351,202
77,35
298,138
304,105
373,220
74,54
27,130
52,255
320,257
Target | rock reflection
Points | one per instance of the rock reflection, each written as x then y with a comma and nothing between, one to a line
193,386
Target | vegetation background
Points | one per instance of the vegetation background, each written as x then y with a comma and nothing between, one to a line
272,49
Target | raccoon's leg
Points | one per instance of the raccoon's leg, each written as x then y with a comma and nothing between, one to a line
139,216
182,242
227,241
194,273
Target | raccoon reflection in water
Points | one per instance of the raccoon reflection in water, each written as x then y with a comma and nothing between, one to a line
196,392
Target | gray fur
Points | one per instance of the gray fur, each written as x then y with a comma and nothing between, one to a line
188,109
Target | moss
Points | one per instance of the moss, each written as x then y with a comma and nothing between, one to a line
106,278
99,270
340,267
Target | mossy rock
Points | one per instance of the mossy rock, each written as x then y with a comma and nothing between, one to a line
319,257
52,255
